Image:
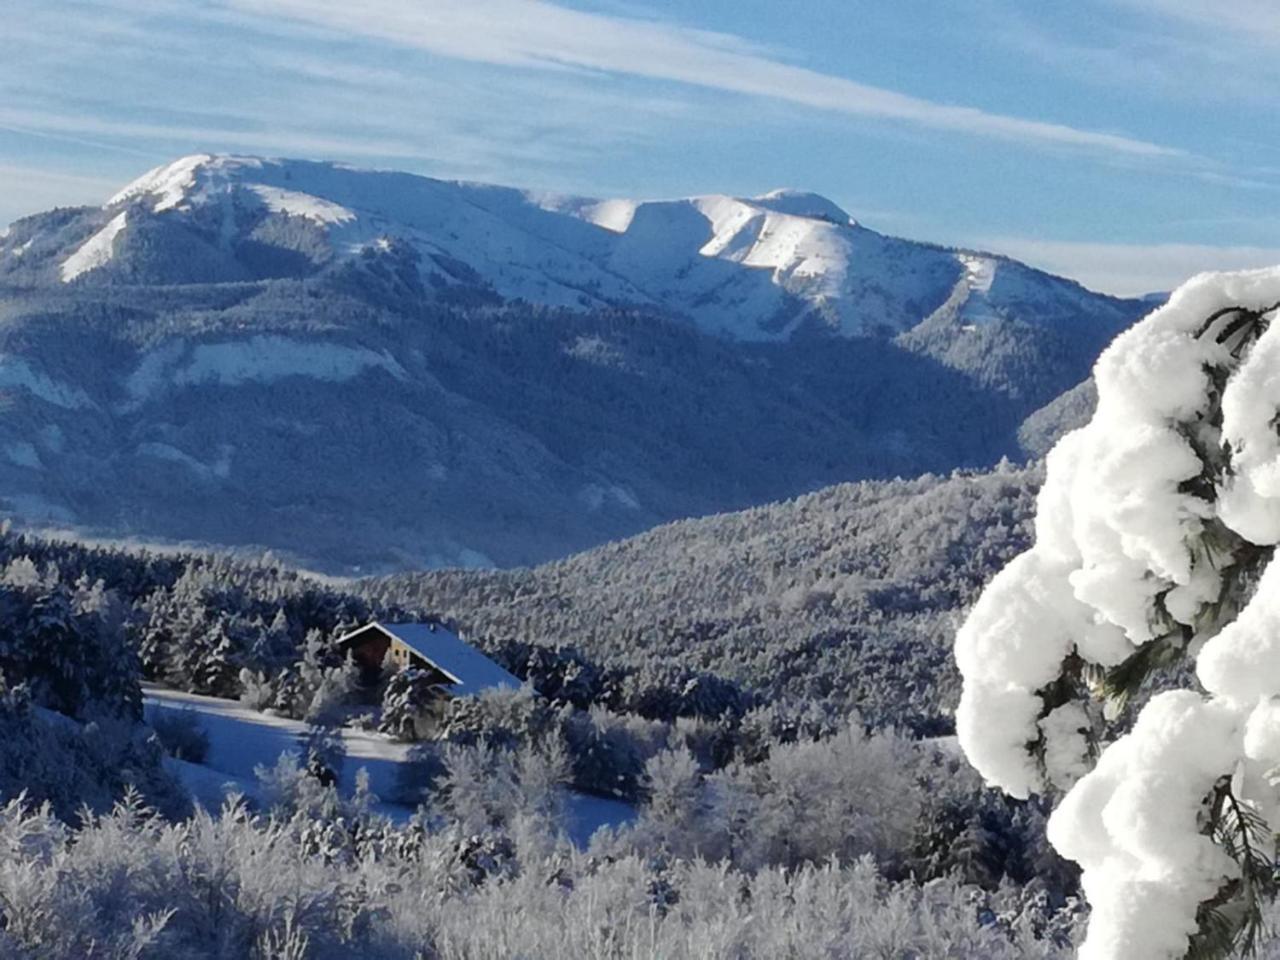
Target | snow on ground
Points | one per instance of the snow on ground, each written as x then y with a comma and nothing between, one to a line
34,508
263,358
802,203
297,204
241,739
151,374
95,251
23,454
980,271
751,268
613,215
979,275
168,183
587,814
596,497
164,451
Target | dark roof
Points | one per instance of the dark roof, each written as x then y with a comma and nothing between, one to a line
470,669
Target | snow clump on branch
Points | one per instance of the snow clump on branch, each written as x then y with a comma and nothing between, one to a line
1155,530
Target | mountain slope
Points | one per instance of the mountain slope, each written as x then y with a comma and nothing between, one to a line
371,370
847,594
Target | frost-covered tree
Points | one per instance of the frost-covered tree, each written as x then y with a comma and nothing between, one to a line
1152,563
217,670
325,753
501,716
410,703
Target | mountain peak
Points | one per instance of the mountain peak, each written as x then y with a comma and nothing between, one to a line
168,183
202,177
803,203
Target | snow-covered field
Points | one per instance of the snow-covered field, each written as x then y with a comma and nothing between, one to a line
241,739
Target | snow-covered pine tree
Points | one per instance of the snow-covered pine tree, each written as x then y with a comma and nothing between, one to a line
1155,532
408,703
274,643
217,670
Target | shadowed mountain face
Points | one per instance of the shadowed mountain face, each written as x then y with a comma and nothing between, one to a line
376,370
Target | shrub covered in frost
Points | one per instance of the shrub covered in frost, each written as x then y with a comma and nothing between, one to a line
50,758
852,795
336,883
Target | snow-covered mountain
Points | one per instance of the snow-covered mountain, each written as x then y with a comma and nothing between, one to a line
758,268
374,369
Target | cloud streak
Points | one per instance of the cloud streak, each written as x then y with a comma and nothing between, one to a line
1257,21
43,188
541,35
298,89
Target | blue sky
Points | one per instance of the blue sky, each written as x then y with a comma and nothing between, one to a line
1128,143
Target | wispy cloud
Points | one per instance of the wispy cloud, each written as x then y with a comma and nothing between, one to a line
43,188
1190,51
297,89
540,34
1255,21
54,124
615,101
1131,269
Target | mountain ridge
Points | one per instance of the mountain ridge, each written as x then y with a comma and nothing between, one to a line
757,268
358,389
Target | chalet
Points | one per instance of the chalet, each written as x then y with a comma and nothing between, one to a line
457,667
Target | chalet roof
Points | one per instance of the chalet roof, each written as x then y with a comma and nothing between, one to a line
471,670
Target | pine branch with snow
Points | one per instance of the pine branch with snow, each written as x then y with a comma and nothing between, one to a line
1155,532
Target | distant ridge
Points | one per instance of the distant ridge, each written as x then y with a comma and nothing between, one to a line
756,268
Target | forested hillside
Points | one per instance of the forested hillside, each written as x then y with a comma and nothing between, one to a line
848,595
